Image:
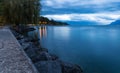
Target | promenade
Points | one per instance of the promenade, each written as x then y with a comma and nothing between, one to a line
12,58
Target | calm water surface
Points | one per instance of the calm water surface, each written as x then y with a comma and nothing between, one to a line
95,48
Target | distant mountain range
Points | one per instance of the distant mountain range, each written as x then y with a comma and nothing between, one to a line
117,22
82,23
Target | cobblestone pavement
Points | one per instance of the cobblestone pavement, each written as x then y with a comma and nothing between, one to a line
12,57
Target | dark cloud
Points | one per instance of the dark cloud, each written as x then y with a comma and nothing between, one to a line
57,7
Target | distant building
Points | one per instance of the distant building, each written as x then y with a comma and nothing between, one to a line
43,22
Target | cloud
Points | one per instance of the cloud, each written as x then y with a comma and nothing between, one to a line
68,3
61,17
104,18
100,11
79,6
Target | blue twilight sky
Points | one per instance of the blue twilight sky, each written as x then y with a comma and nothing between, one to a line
94,11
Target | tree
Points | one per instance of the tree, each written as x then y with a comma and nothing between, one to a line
1,11
21,11
0,7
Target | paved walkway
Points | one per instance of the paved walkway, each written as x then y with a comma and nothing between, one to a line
12,57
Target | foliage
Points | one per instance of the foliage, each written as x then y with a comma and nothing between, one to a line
21,11
0,7
1,11
51,22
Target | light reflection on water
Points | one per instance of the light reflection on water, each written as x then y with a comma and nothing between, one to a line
43,31
63,34
95,49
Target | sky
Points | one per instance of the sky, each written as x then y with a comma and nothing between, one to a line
101,12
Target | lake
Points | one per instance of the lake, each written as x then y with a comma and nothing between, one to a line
95,48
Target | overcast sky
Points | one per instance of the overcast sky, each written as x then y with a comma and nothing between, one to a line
99,11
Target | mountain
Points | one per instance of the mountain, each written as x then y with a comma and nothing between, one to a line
82,23
117,22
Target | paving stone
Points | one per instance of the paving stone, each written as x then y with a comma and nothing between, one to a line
12,57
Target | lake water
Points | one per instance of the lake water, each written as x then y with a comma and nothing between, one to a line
95,48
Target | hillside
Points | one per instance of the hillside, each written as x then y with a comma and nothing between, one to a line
117,22
46,21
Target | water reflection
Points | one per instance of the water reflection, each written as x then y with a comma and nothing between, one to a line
64,32
95,49
43,31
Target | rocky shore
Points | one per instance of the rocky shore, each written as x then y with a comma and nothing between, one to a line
42,59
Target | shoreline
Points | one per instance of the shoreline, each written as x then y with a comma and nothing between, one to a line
42,59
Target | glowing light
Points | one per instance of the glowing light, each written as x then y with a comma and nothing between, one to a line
43,31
